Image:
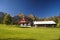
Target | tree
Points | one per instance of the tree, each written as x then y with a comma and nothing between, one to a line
32,17
21,15
57,20
37,19
15,19
7,19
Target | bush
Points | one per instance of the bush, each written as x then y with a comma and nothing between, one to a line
58,25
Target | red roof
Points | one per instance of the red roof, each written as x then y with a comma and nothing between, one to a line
23,20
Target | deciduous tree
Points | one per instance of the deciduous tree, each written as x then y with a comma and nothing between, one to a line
7,19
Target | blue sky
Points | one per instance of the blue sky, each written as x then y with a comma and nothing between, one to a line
39,8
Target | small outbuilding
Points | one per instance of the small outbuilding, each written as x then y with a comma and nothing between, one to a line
44,23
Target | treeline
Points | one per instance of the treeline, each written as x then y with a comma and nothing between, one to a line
7,19
55,18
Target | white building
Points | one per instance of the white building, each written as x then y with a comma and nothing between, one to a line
44,23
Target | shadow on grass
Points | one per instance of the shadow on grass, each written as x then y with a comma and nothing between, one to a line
17,39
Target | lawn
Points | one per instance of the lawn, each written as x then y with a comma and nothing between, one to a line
12,32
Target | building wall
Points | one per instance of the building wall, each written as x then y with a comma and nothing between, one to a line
46,25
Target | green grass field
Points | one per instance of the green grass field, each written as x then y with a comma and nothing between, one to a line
12,32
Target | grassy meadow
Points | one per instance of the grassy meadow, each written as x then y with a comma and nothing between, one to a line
12,32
